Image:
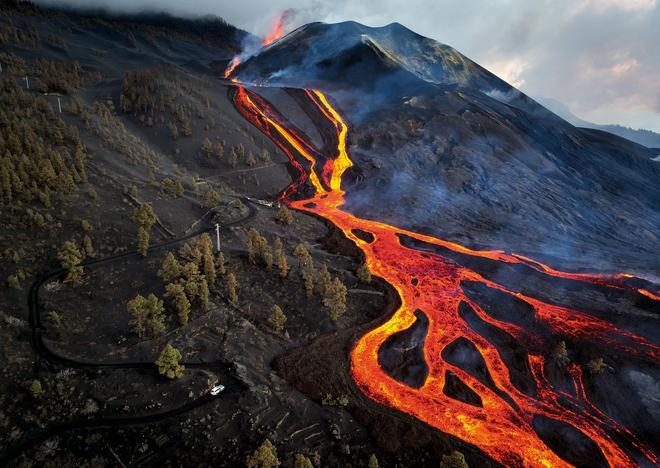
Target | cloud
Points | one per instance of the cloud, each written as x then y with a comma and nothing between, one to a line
599,57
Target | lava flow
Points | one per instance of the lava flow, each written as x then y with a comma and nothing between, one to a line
502,426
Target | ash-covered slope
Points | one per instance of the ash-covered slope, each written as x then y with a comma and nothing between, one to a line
443,145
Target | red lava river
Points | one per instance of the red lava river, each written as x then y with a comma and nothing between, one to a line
502,427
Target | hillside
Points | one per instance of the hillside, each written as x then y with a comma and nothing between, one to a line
145,157
476,161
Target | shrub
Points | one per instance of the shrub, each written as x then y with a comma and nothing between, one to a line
596,366
232,284
335,299
454,460
284,216
168,362
301,461
263,457
70,258
276,319
36,389
170,269
364,274
143,241
560,354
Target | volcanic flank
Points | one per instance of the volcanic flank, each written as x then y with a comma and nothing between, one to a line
445,147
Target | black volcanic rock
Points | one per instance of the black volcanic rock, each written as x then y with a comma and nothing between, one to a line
464,156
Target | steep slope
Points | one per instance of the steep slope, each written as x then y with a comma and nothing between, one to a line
443,145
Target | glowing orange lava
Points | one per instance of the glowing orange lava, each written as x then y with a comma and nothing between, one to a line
276,31
501,427
232,65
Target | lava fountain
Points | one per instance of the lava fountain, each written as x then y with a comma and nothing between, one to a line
277,30
502,426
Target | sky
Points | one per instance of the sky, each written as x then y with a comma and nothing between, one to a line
600,58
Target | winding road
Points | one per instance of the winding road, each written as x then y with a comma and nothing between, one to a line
58,360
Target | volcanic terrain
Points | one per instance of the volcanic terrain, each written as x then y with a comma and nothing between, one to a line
461,275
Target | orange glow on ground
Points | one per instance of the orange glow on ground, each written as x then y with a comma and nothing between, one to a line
502,428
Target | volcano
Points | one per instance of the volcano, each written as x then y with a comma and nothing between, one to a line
443,146
342,246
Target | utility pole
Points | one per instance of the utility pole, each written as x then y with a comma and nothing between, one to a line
217,235
27,83
59,104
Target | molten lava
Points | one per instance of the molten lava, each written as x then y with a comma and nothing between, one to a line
232,65
503,425
276,31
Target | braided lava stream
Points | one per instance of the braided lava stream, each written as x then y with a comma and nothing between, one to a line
430,283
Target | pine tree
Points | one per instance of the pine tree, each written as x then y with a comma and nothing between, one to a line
240,150
174,131
324,279
204,294
168,362
250,160
596,366
219,150
264,457
373,461
143,241
192,279
186,127
220,263
364,274
178,189
301,461
137,307
207,147
232,284
89,248
13,282
306,265
233,158
335,299
284,215
36,389
251,248
177,294
156,314
212,198
560,354
70,258
170,270
209,263
276,318
144,216
280,258
454,460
